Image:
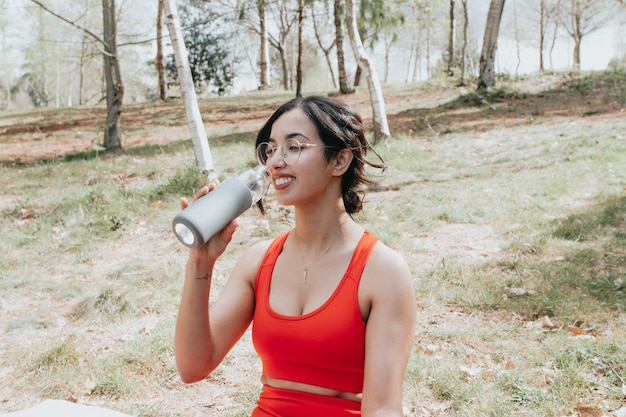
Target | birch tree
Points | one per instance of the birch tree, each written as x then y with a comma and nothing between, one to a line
187,90
487,77
381,127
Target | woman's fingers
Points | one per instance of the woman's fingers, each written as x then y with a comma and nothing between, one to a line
184,203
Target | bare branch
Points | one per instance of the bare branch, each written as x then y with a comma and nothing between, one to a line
77,26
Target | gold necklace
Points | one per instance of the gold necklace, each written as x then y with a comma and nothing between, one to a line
305,271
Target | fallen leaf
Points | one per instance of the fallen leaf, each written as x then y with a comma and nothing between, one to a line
588,411
574,329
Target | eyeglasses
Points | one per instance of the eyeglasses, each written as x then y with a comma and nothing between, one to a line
289,151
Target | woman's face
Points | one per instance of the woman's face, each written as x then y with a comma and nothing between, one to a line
307,179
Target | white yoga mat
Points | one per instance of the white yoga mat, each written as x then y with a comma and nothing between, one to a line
60,408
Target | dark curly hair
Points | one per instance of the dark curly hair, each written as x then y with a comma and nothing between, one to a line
339,127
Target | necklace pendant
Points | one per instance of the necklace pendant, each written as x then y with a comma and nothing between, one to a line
305,271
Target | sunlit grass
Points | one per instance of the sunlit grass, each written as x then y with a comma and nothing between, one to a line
512,235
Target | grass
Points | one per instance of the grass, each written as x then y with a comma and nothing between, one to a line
516,237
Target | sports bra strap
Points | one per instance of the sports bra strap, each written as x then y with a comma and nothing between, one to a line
361,254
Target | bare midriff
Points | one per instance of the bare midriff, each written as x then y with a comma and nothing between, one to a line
310,389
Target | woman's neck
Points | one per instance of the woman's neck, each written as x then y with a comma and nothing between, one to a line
316,228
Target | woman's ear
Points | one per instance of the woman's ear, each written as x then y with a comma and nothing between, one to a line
342,161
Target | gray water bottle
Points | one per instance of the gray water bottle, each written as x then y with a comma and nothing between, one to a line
211,213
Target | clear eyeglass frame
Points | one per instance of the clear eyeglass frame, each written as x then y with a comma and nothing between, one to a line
289,150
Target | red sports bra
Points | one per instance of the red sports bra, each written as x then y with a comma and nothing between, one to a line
325,347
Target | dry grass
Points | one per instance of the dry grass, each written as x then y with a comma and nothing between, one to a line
515,233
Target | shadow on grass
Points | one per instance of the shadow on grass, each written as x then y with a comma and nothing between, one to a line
589,280
149,150
576,95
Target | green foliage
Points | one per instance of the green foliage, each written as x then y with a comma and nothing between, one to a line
609,217
614,80
184,183
209,60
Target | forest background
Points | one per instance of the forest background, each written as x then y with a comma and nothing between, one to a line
509,205
46,62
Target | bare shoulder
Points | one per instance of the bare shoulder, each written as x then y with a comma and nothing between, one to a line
387,270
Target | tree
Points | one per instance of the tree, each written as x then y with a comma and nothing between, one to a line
451,39
420,21
204,41
299,62
253,17
487,76
159,61
344,86
284,21
113,77
582,17
194,119
114,87
381,127
265,80
325,49
377,17
465,40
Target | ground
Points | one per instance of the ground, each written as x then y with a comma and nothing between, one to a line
52,133
27,137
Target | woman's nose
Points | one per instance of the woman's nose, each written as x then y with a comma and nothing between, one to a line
276,160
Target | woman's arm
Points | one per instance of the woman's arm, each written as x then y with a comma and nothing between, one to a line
388,286
204,335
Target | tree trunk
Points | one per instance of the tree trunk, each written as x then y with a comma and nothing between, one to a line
114,85
464,48
381,127
428,31
516,34
187,91
160,67
81,69
284,64
325,50
265,48
344,86
577,36
487,77
357,76
451,39
299,63
542,31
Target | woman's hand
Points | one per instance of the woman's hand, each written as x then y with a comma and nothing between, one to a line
214,248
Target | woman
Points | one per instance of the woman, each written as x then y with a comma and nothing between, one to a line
332,308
